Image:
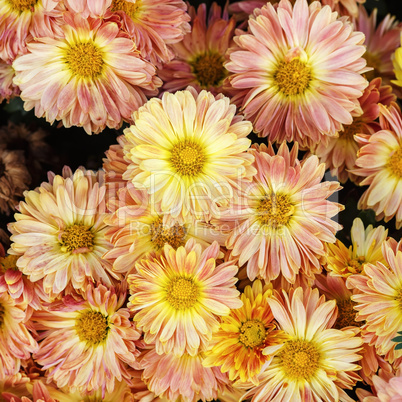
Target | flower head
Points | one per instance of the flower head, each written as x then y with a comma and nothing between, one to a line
281,220
180,296
298,68
365,248
378,294
88,343
188,151
90,76
316,362
247,338
200,55
59,233
379,162
8,89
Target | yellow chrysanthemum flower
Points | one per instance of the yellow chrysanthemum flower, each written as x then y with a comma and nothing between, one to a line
397,62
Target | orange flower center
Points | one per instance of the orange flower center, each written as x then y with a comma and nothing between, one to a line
84,60
350,130
355,265
187,158
299,359
252,333
395,163
9,262
131,9
92,327
208,69
161,235
275,210
292,77
346,314
77,238
22,5
182,293
372,61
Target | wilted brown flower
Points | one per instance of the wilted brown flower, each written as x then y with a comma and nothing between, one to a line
14,179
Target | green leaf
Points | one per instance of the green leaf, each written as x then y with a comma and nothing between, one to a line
397,339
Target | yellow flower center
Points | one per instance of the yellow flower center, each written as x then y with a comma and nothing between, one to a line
355,265
161,235
92,327
187,158
395,163
252,333
182,293
77,237
84,60
372,61
292,77
346,314
208,69
131,9
9,262
2,313
275,210
22,5
351,129
398,297
300,359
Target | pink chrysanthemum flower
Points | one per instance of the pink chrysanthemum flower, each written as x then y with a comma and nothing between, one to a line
8,89
14,386
88,343
90,76
59,233
188,151
200,55
379,162
345,7
136,231
19,20
379,301
282,219
180,296
381,41
182,378
317,362
16,343
340,153
387,387
153,25
365,248
296,74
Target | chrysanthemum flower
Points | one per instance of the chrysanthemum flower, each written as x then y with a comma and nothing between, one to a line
345,7
246,339
7,88
387,387
19,19
381,41
136,231
297,72
88,343
317,362
188,151
200,55
59,233
380,163
340,153
182,378
282,219
379,300
89,76
19,287
14,386
365,248
16,343
14,179
180,296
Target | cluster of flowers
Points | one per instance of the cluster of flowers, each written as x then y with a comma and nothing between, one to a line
196,265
